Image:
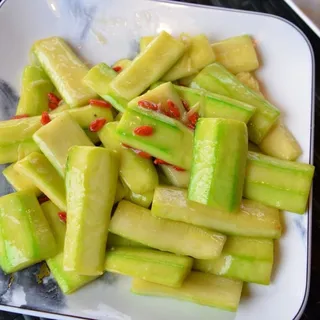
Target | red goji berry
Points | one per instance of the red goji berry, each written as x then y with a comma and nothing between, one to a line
45,118
100,103
43,199
117,68
53,98
20,116
97,124
159,161
126,145
62,216
148,105
178,168
143,131
142,154
185,104
193,118
173,110
52,106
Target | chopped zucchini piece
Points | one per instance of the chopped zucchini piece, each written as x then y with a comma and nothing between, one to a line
198,55
249,80
171,141
19,181
253,219
151,265
16,135
237,54
65,70
278,183
121,191
89,205
280,143
176,178
242,258
145,41
215,78
202,288
219,163
55,139
166,235
149,66
34,91
143,200
215,105
25,235
68,281
131,165
117,241
98,79
37,168
160,96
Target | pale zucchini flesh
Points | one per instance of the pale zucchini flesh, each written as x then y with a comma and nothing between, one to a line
89,207
151,265
165,235
37,168
65,70
253,219
201,288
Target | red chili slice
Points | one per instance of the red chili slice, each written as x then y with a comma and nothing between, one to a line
143,131
193,118
191,126
97,124
100,103
178,168
185,104
159,161
45,118
117,68
173,109
43,199
62,216
20,116
148,105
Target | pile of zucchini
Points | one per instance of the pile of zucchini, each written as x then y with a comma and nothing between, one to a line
170,168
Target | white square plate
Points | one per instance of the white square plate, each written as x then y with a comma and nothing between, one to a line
109,30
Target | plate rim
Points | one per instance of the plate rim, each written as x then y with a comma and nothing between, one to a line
47,314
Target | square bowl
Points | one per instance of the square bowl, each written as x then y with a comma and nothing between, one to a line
109,30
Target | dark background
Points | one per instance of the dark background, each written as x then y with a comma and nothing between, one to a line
280,8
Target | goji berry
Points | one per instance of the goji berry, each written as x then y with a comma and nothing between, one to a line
185,104
97,124
99,103
62,216
117,68
20,116
148,105
45,118
143,131
173,110
142,154
43,199
178,168
159,161
53,98
193,118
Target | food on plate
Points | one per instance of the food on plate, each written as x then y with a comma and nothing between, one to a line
144,168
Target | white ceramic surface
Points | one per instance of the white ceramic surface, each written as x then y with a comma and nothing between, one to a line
107,30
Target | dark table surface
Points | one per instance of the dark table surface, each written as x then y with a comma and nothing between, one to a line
280,8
